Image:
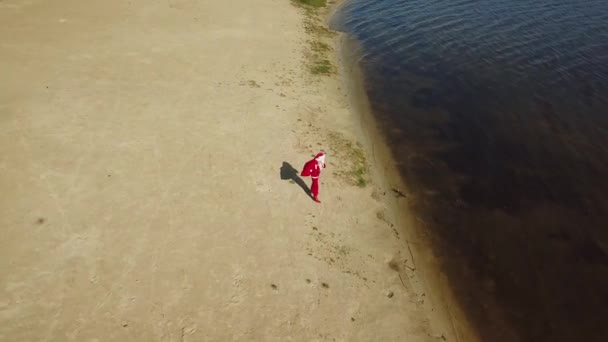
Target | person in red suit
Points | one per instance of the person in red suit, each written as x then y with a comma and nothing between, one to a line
313,168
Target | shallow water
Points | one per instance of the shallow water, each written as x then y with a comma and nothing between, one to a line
496,112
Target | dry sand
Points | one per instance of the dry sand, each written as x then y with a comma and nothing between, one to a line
140,152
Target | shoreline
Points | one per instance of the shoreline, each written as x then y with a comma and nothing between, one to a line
430,279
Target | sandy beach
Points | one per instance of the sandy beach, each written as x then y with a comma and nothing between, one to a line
145,153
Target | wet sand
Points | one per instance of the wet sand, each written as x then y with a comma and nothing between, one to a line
143,154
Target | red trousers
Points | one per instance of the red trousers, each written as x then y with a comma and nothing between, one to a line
314,189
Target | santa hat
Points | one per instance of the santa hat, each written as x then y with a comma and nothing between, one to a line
320,158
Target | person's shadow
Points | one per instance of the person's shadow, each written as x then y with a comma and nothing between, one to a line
288,172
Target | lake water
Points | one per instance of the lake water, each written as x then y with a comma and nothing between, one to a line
496,112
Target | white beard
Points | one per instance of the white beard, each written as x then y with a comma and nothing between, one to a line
321,161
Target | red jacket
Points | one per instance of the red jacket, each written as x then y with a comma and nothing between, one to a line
312,168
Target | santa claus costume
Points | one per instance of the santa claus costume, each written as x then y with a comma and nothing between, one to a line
313,168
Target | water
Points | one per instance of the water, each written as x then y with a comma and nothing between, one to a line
496,112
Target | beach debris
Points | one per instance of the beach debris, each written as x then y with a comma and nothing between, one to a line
390,294
40,220
402,282
399,193
325,285
274,287
308,281
406,265
395,231
411,255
